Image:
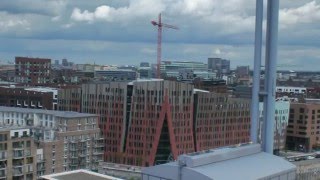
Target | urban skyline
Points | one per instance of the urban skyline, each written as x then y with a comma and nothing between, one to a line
100,31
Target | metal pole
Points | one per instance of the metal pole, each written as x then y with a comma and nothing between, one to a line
271,60
256,73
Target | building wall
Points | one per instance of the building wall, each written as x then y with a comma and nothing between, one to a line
69,99
220,120
17,154
32,70
19,97
304,127
280,123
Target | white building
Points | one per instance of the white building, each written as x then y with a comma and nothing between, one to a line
293,90
280,123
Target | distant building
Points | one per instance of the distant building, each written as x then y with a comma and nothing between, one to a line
291,90
242,91
304,127
175,66
280,124
18,158
145,70
218,65
32,70
65,140
245,162
242,71
115,75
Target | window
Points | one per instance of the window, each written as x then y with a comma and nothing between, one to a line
16,134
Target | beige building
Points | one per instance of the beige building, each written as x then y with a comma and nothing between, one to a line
17,154
65,140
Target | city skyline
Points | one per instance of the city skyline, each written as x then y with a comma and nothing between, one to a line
101,31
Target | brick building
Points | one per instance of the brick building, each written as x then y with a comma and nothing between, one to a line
220,120
32,70
20,97
303,131
147,122
64,140
17,154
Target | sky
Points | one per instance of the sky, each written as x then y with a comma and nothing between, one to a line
119,32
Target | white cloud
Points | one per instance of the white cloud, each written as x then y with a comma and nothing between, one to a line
307,13
10,23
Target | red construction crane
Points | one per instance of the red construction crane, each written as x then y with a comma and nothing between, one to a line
160,25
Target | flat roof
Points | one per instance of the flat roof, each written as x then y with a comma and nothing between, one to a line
65,114
79,175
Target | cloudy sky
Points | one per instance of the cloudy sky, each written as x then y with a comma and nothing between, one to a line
120,32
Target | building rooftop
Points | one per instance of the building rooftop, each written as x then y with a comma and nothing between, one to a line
78,175
65,114
246,162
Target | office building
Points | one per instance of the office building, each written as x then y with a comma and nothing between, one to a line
304,127
218,65
17,153
242,71
64,140
220,120
175,66
32,70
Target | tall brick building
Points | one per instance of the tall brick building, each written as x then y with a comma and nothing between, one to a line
147,122
32,70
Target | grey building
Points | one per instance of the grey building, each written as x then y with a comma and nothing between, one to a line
115,75
218,65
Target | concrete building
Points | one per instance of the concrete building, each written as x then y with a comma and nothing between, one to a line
17,153
244,162
32,70
291,90
303,131
36,98
220,120
65,140
280,123
218,65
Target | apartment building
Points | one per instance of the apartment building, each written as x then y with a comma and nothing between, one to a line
303,131
32,70
64,140
220,120
280,123
17,153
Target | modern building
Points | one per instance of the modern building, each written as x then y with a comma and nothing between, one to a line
218,65
17,153
175,66
220,120
215,85
303,131
246,162
280,124
32,70
291,90
115,75
65,140
28,97
151,121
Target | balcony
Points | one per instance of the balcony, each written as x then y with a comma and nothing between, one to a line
29,168
3,174
18,153
3,155
98,152
17,171
99,145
